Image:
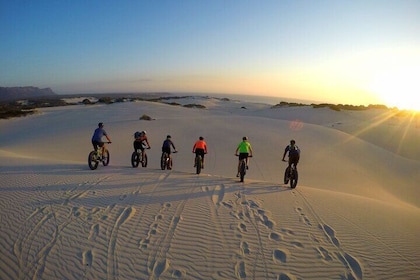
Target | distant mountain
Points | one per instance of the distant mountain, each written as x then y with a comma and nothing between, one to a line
16,93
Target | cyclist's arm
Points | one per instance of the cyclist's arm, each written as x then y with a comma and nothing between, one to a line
147,142
285,151
107,138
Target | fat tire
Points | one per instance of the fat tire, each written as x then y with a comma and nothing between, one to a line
294,179
198,164
105,158
144,163
163,162
92,161
135,159
242,171
286,176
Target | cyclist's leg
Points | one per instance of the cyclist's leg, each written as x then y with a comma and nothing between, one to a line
202,158
195,158
142,152
246,157
102,145
136,145
95,145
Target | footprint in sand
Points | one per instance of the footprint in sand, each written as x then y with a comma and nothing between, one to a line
160,267
245,248
87,258
324,254
331,234
94,231
240,270
288,231
285,276
280,255
275,236
297,244
242,227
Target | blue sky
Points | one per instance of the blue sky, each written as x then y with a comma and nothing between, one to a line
356,52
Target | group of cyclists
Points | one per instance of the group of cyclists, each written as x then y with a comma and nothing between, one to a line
243,150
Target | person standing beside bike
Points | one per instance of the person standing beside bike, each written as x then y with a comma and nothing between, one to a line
166,147
139,139
200,149
245,151
294,153
97,137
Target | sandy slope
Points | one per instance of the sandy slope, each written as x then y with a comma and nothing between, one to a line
354,214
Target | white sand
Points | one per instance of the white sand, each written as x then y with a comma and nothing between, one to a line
354,214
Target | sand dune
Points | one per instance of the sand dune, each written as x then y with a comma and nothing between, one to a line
354,214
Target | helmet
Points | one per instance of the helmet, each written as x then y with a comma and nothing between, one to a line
168,136
100,124
201,138
144,132
292,142
244,138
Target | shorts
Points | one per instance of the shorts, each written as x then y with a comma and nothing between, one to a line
166,150
97,144
199,152
294,159
243,156
138,145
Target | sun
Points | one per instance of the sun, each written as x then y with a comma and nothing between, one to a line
398,88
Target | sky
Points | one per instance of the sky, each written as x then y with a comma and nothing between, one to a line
349,52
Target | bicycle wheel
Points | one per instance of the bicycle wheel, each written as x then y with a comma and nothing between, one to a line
198,164
169,163
294,179
163,162
105,158
92,161
144,163
242,170
135,159
286,175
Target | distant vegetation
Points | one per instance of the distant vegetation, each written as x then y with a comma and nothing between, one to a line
335,107
145,118
27,106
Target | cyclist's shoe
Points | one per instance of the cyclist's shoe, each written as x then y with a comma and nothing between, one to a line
237,175
195,165
247,167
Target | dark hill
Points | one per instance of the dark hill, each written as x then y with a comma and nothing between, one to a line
16,93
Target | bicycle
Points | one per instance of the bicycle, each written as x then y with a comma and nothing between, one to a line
139,156
242,169
166,161
291,175
96,156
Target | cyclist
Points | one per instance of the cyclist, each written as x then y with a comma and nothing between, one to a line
245,151
140,141
97,137
166,147
294,153
200,148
